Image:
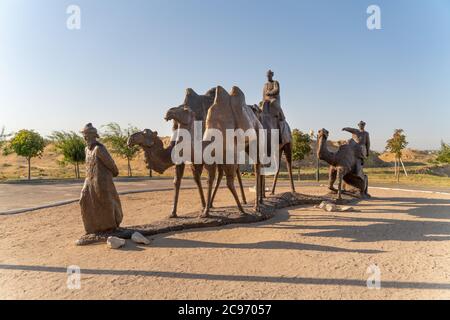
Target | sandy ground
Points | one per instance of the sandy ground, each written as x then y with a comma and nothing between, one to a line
303,253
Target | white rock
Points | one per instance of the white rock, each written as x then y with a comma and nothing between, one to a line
323,204
115,242
139,238
330,207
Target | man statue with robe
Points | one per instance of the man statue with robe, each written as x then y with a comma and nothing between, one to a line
101,209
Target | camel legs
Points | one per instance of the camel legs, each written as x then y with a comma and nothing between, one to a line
258,199
197,173
179,171
219,179
262,179
332,176
230,172
340,176
288,154
238,174
211,177
275,179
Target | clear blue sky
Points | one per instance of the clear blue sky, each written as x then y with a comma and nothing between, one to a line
133,59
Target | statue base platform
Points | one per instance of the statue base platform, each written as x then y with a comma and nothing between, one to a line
218,217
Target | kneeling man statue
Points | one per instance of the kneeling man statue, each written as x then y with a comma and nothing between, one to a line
101,209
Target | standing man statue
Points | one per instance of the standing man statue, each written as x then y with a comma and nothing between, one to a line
360,137
101,209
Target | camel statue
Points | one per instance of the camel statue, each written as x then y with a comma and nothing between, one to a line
200,105
342,165
230,112
184,117
270,120
159,158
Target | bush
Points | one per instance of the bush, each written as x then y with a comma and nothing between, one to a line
116,138
71,146
301,146
28,144
443,155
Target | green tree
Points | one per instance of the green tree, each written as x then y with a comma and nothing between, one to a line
395,145
443,155
71,146
301,146
28,144
116,138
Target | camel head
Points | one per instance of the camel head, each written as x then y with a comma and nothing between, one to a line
181,114
322,133
146,138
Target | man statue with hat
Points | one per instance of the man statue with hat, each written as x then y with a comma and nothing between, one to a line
271,94
271,102
101,209
360,137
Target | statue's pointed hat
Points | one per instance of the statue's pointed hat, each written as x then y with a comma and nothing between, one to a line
89,129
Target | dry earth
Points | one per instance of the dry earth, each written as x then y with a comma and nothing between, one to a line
302,253
49,166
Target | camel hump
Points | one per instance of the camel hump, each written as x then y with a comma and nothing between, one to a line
237,101
235,91
222,96
149,132
191,92
211,93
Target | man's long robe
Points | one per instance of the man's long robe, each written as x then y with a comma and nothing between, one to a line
101,209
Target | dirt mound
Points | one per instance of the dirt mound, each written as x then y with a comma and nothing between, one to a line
409,155
49,165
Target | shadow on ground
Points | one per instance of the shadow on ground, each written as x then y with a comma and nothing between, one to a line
383,229
224,277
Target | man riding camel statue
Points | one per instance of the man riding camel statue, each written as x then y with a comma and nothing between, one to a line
271,94
362,139
271,99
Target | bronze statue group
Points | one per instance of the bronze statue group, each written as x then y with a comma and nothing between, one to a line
100,204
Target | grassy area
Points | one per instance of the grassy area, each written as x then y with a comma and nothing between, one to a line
49,167
381,175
